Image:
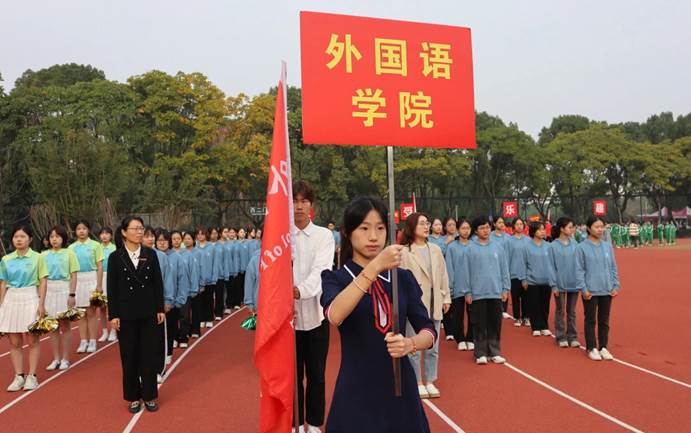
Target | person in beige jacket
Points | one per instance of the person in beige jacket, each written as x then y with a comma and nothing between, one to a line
426,261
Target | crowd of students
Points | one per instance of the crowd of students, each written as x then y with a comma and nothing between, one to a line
203,278
633,234
460,275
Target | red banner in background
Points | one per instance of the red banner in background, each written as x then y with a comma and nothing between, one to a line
510,209
368,81
600,207
407,209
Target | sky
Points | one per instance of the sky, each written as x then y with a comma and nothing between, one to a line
533,60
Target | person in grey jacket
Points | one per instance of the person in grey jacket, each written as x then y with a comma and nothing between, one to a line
562,254
598,280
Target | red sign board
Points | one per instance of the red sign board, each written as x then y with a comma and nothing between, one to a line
510,209
368,81
599,208
407,209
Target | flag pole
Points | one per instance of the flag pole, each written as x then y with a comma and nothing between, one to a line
394,273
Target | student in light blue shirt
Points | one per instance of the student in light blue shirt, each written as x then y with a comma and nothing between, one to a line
243,257
500,235
229,236
485,272
563,257
454,261
234,299
515,246
538,279
171,294
252,283
206,255
220,274
187,316
180,260
437,235
597,278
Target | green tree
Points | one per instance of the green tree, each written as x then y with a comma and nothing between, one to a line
59,75
564,124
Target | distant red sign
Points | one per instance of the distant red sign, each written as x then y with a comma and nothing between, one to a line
510,209
407,209
600,208
379,82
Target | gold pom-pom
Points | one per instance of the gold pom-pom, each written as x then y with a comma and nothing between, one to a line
98,299
43,325
71,314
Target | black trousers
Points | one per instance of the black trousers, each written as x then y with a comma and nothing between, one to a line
239,290
183,334
448,322
219,302
538,306
485,315
138,353
172,328
598,307
196,313
459,307
519,300
161,347
229,292
207,313
312,348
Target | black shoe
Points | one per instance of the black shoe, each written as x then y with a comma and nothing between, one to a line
135,406
151,406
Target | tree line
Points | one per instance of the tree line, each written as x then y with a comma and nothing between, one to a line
74,144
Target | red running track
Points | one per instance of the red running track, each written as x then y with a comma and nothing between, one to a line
214,388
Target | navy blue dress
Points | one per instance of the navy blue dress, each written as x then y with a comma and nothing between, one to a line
363,400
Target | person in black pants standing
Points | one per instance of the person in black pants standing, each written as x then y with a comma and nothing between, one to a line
135,308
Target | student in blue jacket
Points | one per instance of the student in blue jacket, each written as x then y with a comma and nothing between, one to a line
499,235
454,263
207,277
172,291
252,283
437,235
228,259
598,280
514,251
243,257
563,256
220,274
538,279
486,278
189,315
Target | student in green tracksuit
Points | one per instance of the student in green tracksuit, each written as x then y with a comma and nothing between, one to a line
669,232
616,235
660,234
627,236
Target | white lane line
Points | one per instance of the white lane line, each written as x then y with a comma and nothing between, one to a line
643,369
51,378
135,418
574,400
443,416
42,339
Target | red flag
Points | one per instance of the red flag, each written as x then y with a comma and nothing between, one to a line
274,343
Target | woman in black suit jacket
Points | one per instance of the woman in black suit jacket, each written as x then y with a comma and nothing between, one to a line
135,307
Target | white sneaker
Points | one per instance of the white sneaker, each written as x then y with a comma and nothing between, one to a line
30,383
422,390
594,355
113,335
505,315
175,344
82,346
563,343
313,429
218,319
604,353
575,344
104,336
237,307
159,378
449,337
209,324
471,346
546,332
91,348
498,359
227,311
536,333
481,360
202,324
432,390
53,365
462,346
517,323
169,360
194,336
17,383
526,322
183,345
64,364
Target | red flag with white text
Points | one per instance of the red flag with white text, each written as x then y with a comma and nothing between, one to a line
274,344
